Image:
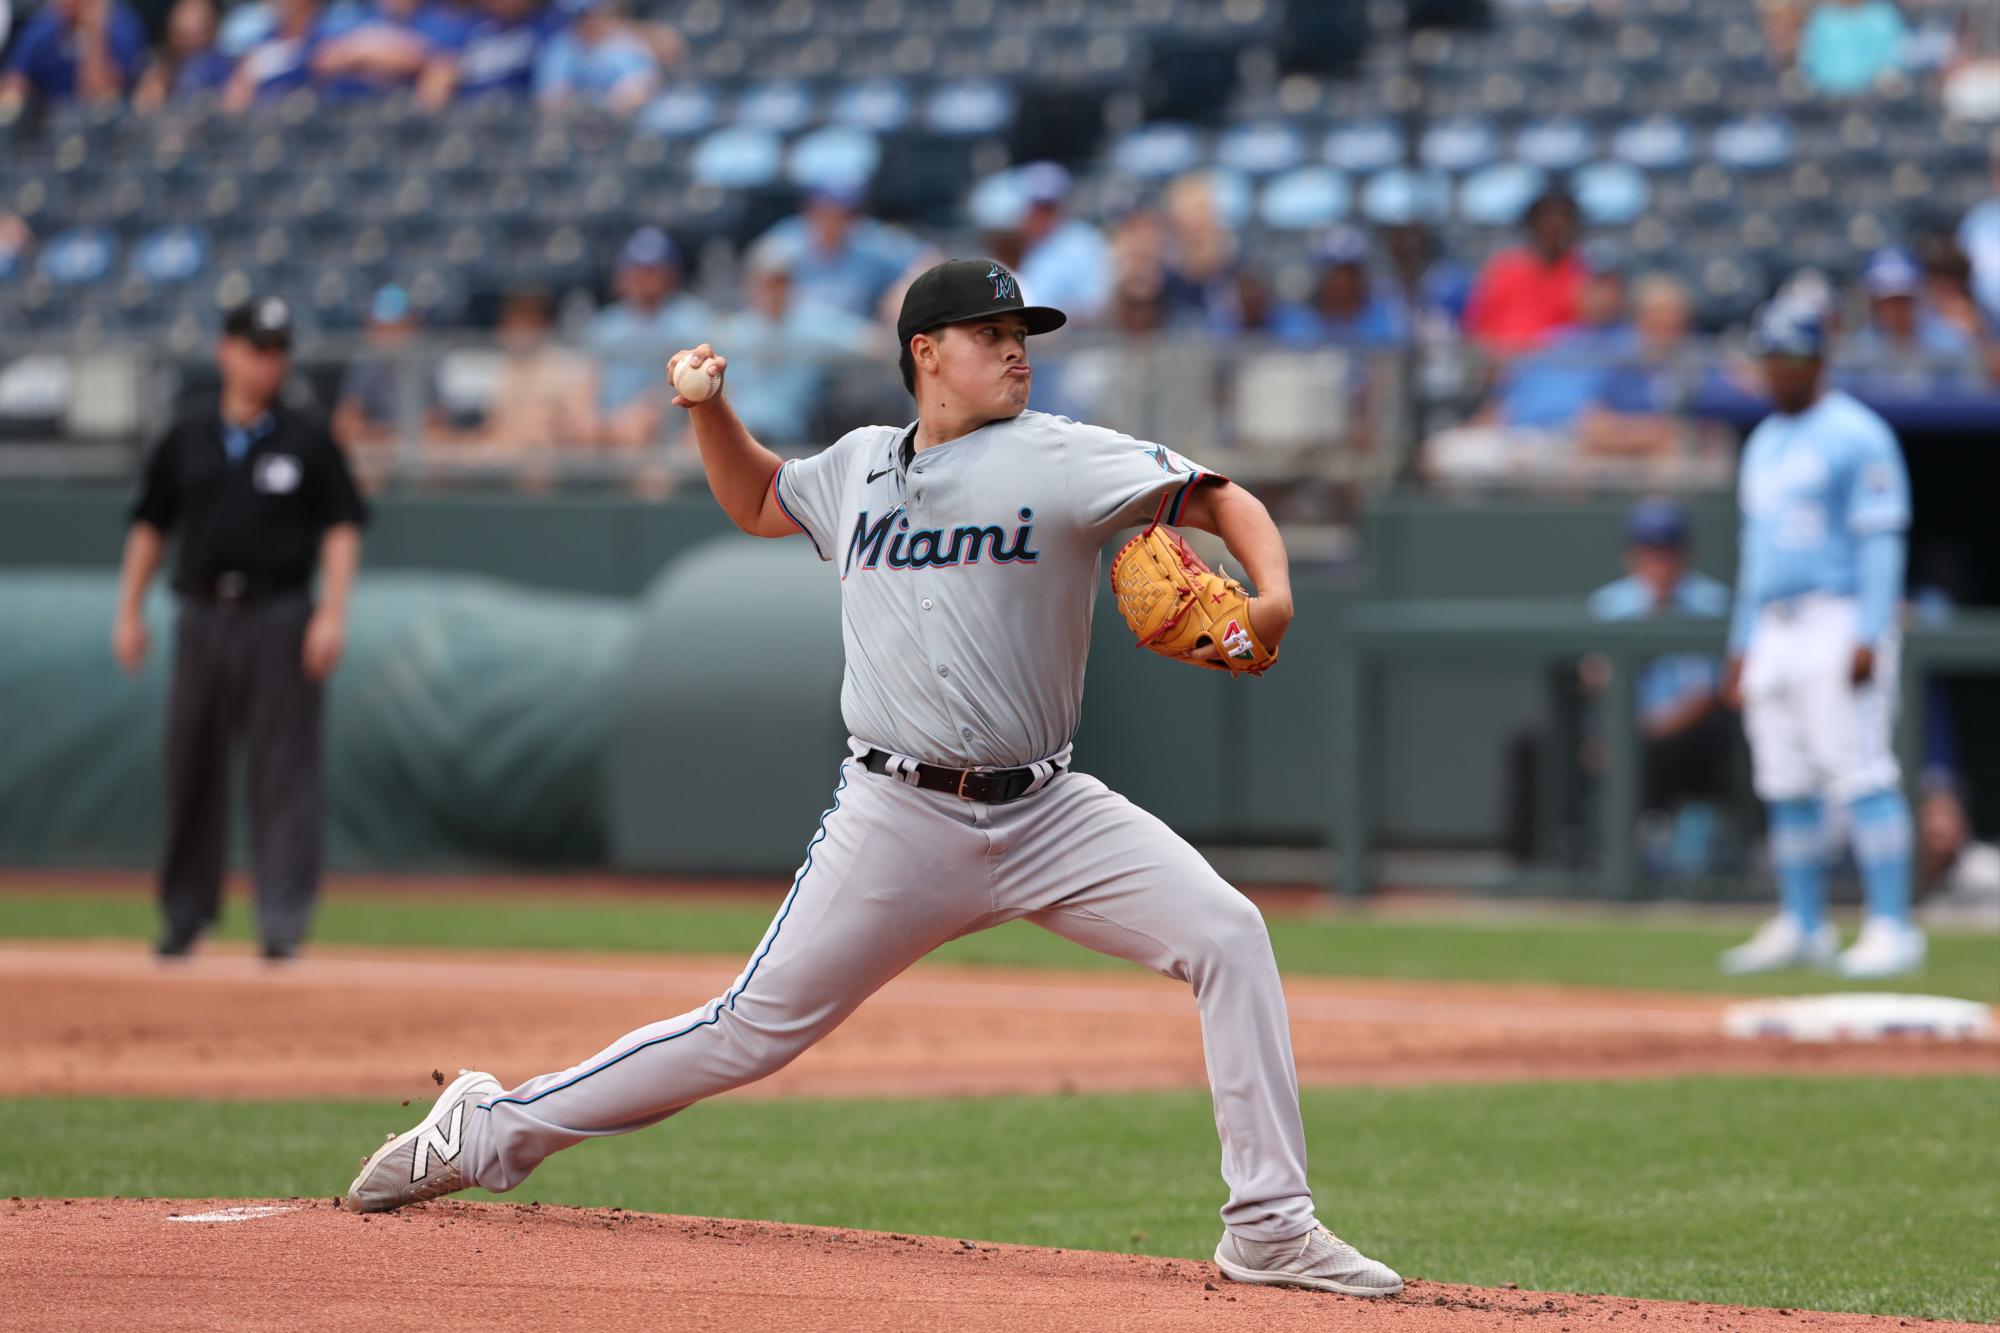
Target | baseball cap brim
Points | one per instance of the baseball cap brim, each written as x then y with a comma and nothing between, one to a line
1040,318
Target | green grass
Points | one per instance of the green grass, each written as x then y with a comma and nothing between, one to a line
1541,949
1848,1194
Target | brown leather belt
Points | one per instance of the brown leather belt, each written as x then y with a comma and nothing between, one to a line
995,786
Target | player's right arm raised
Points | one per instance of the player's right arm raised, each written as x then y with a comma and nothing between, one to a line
740,470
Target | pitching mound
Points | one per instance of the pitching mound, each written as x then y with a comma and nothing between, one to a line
302,1263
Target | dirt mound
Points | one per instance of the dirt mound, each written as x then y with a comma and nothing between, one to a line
108,1020
301,1263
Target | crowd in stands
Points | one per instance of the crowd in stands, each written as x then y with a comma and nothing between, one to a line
1574,347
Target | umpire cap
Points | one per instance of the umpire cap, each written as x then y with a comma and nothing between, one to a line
265,321
962,289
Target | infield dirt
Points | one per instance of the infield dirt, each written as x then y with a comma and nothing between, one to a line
105,1263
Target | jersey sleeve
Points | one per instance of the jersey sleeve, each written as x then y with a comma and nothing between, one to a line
1878,483
158,502
1116,481
808,490
334,497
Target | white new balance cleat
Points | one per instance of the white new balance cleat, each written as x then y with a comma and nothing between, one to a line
423,1163
1319,1260
1886,947
1779,943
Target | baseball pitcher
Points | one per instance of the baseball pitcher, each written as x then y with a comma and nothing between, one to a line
1813,654
967,547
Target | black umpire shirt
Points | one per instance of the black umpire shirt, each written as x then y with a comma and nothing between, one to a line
249,501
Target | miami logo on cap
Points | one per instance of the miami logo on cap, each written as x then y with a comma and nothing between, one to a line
1004,288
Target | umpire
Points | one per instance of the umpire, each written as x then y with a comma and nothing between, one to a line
259,495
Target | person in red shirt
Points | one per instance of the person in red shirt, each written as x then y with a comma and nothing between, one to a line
1524,295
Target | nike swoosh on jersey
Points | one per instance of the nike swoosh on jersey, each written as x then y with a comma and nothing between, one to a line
874,477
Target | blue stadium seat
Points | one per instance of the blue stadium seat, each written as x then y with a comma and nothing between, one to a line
1400,195
840,156
738,158
1157,151
170,255
1366,145
1260,148
1657,143
683,111
1753,143
1497,195
1611,194
783,106
1459,145
78,256
969,108
1305,199
1560,144
881,105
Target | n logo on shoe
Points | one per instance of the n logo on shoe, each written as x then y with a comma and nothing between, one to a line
443,1139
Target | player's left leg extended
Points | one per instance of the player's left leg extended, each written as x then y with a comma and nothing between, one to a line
1082,861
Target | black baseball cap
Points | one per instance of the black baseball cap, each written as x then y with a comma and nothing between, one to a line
265,320
962,289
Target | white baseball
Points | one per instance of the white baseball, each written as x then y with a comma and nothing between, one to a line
696,382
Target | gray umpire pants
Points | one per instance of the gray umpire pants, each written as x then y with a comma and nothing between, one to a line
239,675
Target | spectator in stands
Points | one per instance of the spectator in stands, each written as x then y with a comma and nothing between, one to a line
1904,348
1341,309
1247,304
1635,407
782,347
384,49
1065,262
369,411
496,57
279,64
631,339
1979,238
16,238
1848,45
1684,732
1524,295
1550,390
1431,288
837,257
543,401
1200,252
598,62
1958,874
188,64
74,51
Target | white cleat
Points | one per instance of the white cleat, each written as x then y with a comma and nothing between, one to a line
423,1163
1779,943
1885,948
1319,1260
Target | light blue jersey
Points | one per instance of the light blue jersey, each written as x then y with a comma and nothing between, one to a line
1665,684
1825,500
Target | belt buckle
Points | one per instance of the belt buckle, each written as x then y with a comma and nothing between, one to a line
964,775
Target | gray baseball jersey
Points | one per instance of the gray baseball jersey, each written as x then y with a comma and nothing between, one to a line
968,573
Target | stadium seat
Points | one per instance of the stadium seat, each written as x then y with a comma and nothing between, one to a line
1497,195
969,108
1556,145
881,105
78,256
1657,143
1611,194
1157,151
1260,148
738,158
841,156
1458,145
1305,199
683,111
170,255
1363,146
783,106
1400,195
1753,143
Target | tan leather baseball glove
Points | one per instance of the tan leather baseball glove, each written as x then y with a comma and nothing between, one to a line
1176,604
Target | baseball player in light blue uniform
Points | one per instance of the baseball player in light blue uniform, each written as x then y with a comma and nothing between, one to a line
1813,650
967,549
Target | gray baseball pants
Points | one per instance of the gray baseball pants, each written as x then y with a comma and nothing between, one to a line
893,872
239,677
